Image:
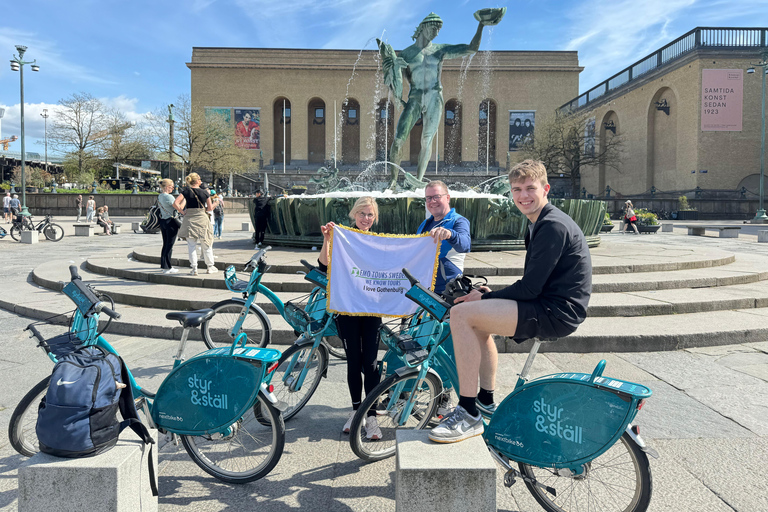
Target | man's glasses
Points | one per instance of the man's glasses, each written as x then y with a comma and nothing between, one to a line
368,216
435,197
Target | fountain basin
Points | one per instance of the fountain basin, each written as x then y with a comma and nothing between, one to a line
495,222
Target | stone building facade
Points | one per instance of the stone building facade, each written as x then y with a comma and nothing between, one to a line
336,103
663,107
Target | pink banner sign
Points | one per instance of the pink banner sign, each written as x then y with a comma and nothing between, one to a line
722,96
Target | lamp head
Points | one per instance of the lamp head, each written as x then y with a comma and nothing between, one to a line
35,67
14,65
750,71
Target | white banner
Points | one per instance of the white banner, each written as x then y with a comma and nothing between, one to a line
365,271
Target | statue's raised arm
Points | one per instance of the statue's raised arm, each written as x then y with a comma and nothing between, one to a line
392,65
485,17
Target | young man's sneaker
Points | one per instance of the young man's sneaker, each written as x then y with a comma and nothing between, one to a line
171,271
372,430
457,426
486,410
446,406
193,272
212,270
348,424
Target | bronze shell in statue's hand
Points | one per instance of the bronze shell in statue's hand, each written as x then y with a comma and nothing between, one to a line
490,16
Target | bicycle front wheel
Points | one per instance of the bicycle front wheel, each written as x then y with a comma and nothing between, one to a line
247,452
618,481
286,377
16,230
21,430
217,331
390,398
53,232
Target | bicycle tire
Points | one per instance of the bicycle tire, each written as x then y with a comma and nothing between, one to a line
335,347
248,453
21,429
53,232
297,399
624,462
16,230
423,409
216,330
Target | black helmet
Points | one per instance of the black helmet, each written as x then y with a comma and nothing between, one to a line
459,286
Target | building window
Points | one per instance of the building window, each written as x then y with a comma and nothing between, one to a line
449,114
319,113
352,113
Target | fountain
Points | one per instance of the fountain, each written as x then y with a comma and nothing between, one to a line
495,222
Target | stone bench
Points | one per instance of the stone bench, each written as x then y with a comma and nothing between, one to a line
117,480
433,476
116,229
86,229
135,226
666,227
246,226
762,236
725,231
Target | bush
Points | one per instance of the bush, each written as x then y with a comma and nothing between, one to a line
607,220
646,218
682,202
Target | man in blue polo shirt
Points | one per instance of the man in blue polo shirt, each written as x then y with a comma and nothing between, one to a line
449,228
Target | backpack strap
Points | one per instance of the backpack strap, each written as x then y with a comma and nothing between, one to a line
131,419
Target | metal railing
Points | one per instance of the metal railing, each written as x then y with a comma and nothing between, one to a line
698,38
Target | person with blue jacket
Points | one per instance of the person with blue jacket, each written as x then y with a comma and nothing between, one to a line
449,228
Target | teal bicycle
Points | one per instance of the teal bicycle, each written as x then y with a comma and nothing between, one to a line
568,436
210,401
242,315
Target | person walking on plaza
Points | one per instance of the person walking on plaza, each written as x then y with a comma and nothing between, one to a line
15,206
218,216
630,219
549,301
7,207
260,215
90,207
79,206
359,333
193,203
169,225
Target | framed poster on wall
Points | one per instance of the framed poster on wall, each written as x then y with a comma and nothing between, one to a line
521,126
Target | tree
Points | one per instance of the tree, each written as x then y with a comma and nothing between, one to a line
123,140
33,176
566,143
77,122
200,141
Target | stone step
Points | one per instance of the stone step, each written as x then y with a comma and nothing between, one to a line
596,334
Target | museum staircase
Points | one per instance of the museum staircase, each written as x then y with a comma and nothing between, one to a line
664,295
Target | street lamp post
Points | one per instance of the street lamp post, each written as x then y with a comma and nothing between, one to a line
760,216
171,122
45,116
17,64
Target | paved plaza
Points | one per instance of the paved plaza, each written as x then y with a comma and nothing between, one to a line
697,336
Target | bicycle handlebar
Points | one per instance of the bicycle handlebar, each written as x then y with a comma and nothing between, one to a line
410,277
73,272
112,314
35,332
307,264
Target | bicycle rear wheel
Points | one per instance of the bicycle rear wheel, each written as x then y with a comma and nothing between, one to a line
248,452
21,429
53,232
285,388
618,481
217,330
390,398
16,230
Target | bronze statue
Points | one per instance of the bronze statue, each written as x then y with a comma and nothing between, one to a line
423,64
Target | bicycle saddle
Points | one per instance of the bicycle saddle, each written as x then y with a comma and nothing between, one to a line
191,318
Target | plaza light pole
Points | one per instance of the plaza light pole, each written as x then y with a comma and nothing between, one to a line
45,116
760,216
17,64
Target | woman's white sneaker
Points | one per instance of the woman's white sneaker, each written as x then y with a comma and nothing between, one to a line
372,430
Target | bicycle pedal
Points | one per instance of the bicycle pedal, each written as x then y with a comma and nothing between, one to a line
510,478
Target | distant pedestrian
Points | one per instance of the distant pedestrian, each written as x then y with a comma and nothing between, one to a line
630,218
7,207
195,226
260,216
15,206
218,215
90,207
79,205
169,226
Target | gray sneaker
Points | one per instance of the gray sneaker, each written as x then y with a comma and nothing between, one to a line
457,426
486,410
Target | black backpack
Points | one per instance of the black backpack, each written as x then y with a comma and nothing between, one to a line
151,223
78,415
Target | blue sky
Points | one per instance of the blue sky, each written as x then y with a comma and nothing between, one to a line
132,55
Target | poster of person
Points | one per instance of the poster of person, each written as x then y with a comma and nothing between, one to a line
224,113
589,137
521,125
247,128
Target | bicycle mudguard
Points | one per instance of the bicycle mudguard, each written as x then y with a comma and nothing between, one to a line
564,420
209,392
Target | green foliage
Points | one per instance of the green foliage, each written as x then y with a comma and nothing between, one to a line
607,220
682,202
646,218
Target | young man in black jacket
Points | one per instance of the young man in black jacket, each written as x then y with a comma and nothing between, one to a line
260,214
550,300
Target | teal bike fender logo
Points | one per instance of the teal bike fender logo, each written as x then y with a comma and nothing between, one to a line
201,394
548,421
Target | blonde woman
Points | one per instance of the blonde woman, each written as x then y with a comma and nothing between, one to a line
168,225
630,219
193,203
359,333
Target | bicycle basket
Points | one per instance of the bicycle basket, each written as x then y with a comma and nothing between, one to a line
62,344
308,312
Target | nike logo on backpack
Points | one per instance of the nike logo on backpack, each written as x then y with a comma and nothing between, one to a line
65,382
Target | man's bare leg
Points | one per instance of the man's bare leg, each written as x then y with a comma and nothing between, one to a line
472,324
